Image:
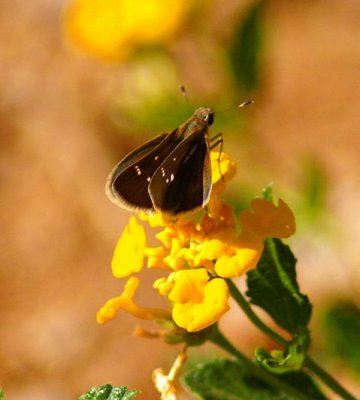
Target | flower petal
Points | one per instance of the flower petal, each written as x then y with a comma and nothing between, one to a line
125,302
194,316
129,252
268,220
155,256
248,249
198,301
221,162
211,250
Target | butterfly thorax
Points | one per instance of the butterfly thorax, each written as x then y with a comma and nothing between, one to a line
200,121
203,113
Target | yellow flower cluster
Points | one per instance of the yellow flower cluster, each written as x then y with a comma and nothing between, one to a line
197,257
110,29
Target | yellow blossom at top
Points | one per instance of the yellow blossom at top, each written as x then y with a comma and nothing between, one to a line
110,29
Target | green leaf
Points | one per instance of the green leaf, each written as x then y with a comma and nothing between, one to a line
292,359
342,333
230,380
245,50
304,383
1,394
273,287
108,392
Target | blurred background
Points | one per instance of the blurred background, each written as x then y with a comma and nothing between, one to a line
83,83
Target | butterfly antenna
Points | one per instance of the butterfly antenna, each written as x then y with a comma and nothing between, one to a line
184,93
243,104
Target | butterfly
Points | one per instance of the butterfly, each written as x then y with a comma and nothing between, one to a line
170,173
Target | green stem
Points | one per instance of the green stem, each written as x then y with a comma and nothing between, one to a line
310,364
220,340
239,298
328,379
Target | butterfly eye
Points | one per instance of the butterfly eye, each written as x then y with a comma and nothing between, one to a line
209,118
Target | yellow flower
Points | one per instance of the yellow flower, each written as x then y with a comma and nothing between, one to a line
219,217
156,257
198,301
211,249
247,251
125,302
154,220
111,29
197,257
129,251
268,220
222,170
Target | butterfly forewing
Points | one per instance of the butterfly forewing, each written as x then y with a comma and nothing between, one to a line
170,173
183,181
128,183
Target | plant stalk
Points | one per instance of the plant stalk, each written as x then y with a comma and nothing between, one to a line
309,362
220,340
244,305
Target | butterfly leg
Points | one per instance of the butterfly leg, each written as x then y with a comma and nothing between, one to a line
215,141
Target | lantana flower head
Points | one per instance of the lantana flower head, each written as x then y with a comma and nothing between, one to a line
197,257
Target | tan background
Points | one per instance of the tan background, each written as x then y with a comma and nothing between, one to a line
57,147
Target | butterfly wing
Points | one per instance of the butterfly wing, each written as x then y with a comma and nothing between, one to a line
127,184
183,181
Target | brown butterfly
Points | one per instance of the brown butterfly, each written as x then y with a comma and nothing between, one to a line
170,173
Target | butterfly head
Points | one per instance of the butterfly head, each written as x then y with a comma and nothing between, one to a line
206,114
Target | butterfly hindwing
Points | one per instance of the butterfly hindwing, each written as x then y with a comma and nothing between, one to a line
128,183
183,180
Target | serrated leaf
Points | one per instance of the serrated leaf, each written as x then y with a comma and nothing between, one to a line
303,382
342,333
272,286
108,392
245,50
230,380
